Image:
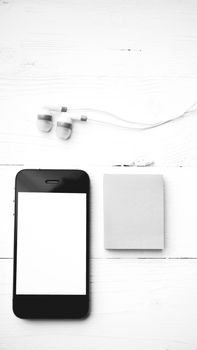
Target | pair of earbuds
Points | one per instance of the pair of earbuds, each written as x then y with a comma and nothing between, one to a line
64,125
66,118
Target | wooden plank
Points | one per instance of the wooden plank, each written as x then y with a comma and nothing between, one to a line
180,211
138,60
148,34
21,142
180,193
132,49
135,304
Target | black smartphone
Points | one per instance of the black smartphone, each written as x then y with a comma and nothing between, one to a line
51,244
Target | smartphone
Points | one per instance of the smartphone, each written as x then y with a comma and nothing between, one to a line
51,244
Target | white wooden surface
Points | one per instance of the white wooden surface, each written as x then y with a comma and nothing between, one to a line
137,59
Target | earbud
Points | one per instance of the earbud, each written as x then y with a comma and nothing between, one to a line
45,122
64,127
65,124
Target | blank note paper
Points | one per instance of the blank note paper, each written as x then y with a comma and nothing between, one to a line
133,211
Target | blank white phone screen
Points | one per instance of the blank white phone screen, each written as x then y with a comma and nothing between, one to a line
51,243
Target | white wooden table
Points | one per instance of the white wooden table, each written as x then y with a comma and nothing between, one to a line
138,60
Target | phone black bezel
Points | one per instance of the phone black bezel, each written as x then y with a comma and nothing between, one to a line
52,306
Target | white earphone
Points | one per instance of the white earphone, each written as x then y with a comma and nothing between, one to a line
45,120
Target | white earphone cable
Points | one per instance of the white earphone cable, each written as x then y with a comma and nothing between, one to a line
144,126
98,111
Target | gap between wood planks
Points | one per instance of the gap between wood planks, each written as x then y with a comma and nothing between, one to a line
4,164
140,258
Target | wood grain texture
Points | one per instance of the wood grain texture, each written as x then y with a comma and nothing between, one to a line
180,211
138,60
135,305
